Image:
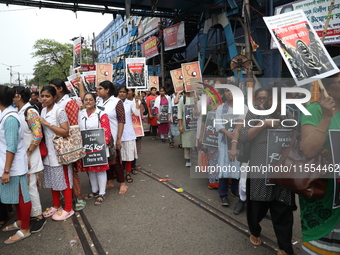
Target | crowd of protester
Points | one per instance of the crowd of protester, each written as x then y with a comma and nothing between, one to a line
26,119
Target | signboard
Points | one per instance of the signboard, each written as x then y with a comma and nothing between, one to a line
137,125
334,136
174,36
177,79
103,73
276,140
87,68
89,79
95,148
152,104
136,73
149,26
154,82
189,117
163,115
175,115
77,52
300,47
192,76
210,136
150,47
317,12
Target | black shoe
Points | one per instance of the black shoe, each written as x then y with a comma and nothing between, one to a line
38,225
234,194
239,207
224,201
268,216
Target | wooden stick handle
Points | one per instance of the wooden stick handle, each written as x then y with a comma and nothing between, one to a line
323,87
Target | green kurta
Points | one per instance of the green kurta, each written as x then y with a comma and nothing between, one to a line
317,216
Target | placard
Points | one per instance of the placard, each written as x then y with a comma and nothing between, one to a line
190,118
163,115
210,135
73,79
304,54
192,76
136,73
174,36
77,52
71,89
137,125
103,73
153,112
154,82
95,148
174,115
334,137
89,79
276,140
177,79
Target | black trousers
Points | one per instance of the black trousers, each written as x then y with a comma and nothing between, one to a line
282,219
153,130
3,212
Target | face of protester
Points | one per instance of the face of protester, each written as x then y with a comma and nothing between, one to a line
228,95
122,94
89,102
334,89
261,98
16,98
47,99
34,97
162,92
153,92
130,94
101,92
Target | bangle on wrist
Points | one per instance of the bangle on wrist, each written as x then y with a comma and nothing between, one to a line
51,125
234,141
6,171
323,131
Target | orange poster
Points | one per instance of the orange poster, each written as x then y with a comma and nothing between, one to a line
177,79
103,73
154,82
137,125
192,76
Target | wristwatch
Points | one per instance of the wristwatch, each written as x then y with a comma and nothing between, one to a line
28,149
51,125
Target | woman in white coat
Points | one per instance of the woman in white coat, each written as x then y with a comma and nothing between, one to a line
29,118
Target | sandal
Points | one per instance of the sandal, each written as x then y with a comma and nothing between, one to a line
21,236
100,199
80,205
171,144
255,240
128,178
14,226
91,195
51,211
2,224
134,171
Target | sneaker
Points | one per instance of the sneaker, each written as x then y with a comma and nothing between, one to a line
239,207
38,225
188,163
224,201
63,215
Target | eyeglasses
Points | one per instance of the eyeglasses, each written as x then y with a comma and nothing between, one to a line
88,100
261,98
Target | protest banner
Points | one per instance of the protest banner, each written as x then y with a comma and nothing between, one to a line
154,82
174,36
316,12
137,125
190,118
304,54
103,73
89,79
71,89
136,73
95,148
150,47
73,79
177,79
276,140
174,115
334,138
210,136
163,115
192,76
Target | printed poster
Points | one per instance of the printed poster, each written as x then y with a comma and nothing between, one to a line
74,82
137,125
163,115
150,47
95,148
174,115
154,82
210,135
103,73
317,12
177,79
136,73
89,80
192,76
77,52
71,89
174,36
303,52
190,118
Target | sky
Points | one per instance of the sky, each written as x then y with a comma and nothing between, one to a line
21,27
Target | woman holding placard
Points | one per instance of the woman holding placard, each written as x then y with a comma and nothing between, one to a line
162,103
93,118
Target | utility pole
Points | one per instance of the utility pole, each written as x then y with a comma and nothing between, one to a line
161,26
10,72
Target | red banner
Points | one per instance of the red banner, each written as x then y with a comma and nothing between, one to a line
137,125
87,68
174,36
150,48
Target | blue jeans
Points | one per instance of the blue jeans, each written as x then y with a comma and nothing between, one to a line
223,186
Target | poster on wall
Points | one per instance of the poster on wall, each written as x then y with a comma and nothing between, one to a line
304,54
150,47
103,73
174,36
154,82
192,76
76,52
316,12
177,79
136,73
